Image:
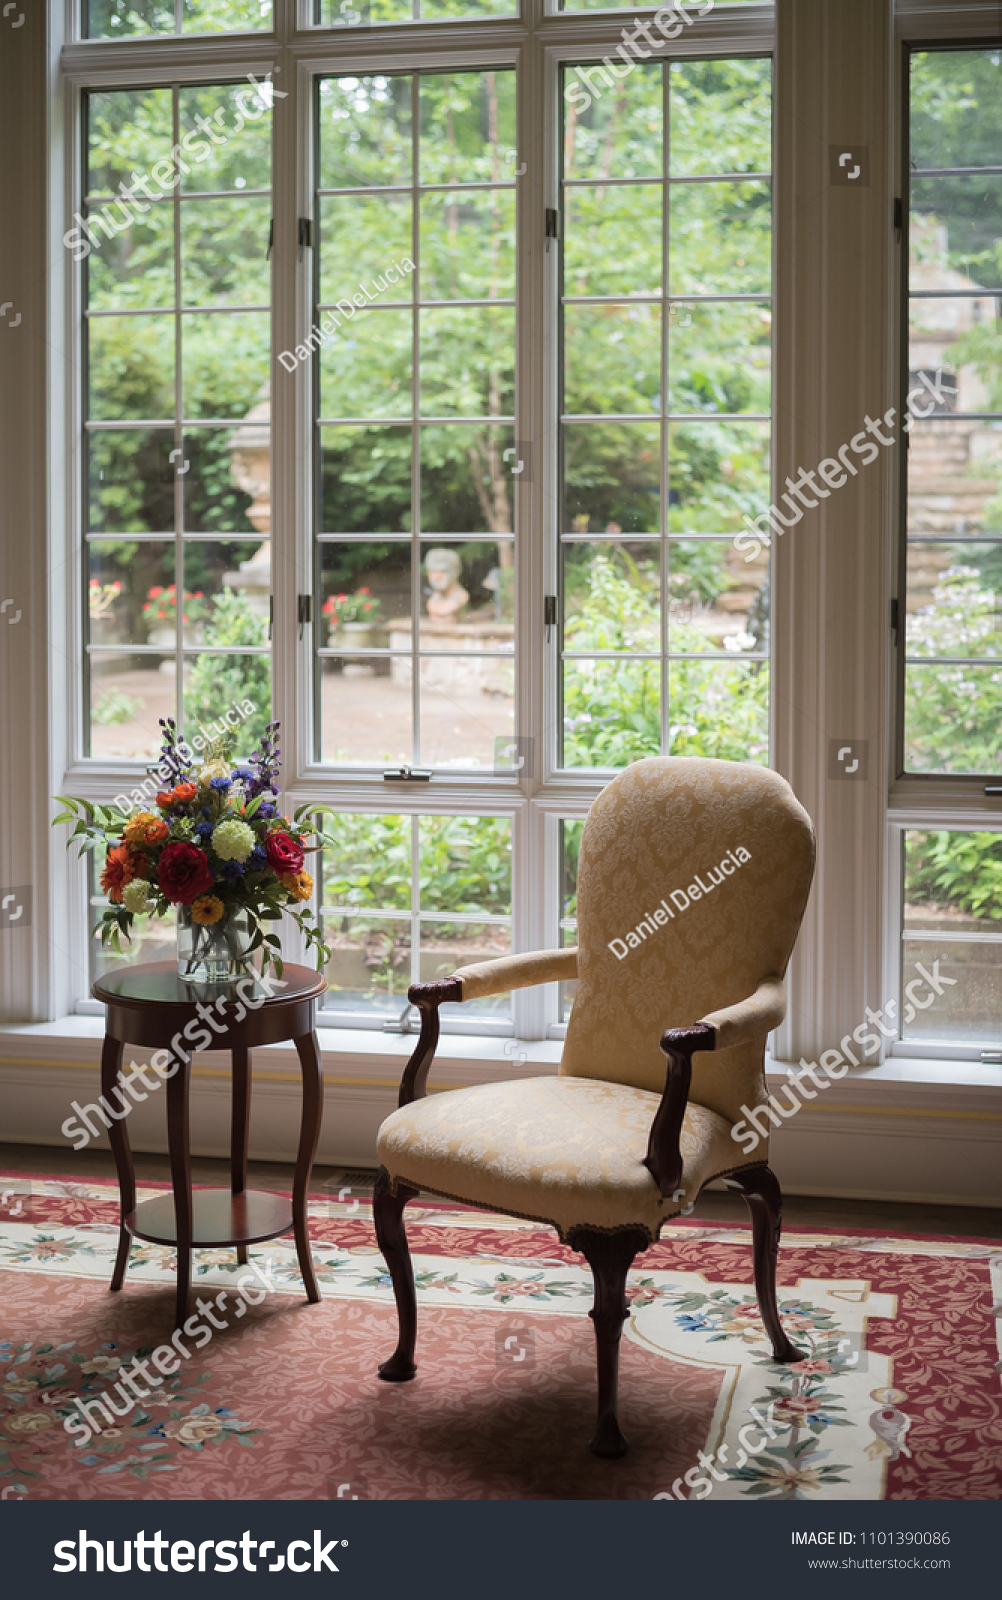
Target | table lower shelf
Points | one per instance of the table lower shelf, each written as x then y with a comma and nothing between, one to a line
220,1218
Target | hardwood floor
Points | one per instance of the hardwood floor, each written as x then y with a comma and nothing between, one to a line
798,1210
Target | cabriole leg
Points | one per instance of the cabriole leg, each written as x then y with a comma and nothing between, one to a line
388,1216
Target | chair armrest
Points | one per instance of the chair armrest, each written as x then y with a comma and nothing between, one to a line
518,972
664,1158
470,983
736,1024
748,1019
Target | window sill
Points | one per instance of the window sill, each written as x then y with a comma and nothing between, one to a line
366,1055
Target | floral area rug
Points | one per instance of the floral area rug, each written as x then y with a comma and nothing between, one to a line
897,1397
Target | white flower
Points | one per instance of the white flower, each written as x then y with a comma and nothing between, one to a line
233,840
739,641
136,897
213,769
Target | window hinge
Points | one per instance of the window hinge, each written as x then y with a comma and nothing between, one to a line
305,235
552,225
407,775
549,613
895,618
305,612
992,1057
993,788
271,240
403,1023
899,214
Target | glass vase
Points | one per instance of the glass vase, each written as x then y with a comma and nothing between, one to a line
216,954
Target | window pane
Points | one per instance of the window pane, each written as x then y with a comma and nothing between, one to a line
371,865
365,131
612,477
716,601
130,480
468,244
365,480
612,239
468,362
366,710
570,846
720,709
366,594
128,696
136,267
217,683
130,368
360,236
953,96
612,596
721,116
613,136
952,936
719,359
465,864
467,479
224,252
128,585
127,130
612,359
121,19
611,712
234,153
227,477
467,705
370,965
364,13
952,703
467,126
717,471
227,361
366,370
721,238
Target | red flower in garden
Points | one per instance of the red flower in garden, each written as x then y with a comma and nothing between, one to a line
183,872
285,854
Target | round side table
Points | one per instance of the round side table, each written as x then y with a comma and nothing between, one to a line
150,1005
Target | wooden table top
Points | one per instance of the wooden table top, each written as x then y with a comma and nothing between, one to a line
154,984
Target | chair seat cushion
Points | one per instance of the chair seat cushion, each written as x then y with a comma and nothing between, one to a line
567,1151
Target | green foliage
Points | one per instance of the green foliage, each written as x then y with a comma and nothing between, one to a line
115,706
962,870
952,713
217,682
612,709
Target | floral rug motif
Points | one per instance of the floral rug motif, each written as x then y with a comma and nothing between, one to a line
896,1397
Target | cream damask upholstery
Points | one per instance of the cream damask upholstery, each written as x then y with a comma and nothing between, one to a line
693,876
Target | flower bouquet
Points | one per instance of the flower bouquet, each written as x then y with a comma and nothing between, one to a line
217,849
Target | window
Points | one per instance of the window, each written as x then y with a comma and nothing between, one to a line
951,579
415,387
667,280
953,622
457,735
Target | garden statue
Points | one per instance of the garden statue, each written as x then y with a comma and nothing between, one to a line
447,597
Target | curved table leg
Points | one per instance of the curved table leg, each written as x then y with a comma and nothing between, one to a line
312,1069
240,1128
180,1176
111,1066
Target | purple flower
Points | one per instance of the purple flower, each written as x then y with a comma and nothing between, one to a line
258,857
232,870
203,830
266,809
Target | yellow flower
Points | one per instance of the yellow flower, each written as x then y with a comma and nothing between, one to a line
135,828
299,885
207,909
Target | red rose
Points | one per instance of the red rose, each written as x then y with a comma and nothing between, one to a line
285,854
183,872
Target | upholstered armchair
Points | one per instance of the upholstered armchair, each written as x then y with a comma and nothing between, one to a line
692,881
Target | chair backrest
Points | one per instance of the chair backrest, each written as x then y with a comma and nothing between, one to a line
693,876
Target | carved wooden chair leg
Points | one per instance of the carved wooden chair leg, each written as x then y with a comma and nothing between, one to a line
765,1202
609,1255
388,1216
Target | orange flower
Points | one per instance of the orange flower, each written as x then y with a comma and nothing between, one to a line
206,909
299,885
185,791
145,828
165,800
119,869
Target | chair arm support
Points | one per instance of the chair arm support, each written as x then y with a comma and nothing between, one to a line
664,1158
518,972
749,1019
470,983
